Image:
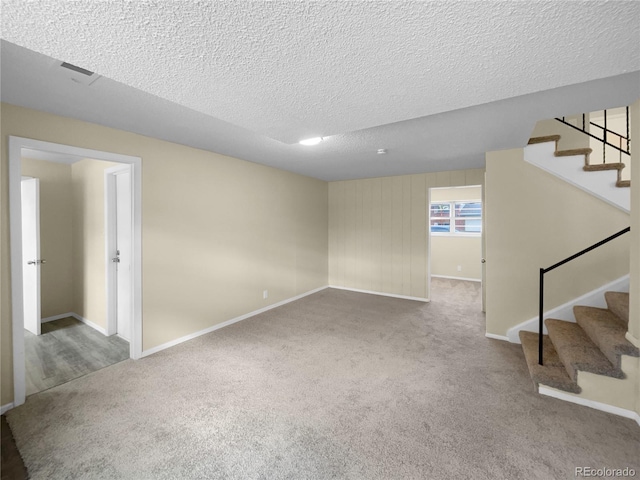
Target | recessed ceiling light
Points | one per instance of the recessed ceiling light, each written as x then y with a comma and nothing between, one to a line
382,151
311,141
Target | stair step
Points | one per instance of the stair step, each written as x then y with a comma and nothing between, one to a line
572,152
607,331
623,183
552,373
577,351
603,166
618,303
548,138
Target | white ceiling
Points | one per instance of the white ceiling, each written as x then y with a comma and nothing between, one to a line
435,83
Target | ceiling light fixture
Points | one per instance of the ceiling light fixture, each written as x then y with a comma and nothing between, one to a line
311,141
382,151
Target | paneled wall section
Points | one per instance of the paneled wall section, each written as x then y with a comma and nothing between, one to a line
378,231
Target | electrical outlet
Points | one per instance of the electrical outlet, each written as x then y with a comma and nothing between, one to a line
265,294
459,268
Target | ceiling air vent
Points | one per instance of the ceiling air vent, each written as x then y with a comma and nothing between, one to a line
79,74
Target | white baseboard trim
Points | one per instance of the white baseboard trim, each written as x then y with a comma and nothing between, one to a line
371,292
90,323
457,278
177,341
622,412
497,337
595,298
57,317
77,317
5,408
634,341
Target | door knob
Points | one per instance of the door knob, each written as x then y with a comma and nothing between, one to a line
36,262
483,261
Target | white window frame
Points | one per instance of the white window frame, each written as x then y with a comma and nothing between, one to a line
452,219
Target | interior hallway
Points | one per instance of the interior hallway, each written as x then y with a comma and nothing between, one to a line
68,349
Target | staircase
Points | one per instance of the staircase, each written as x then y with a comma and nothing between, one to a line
588,166
576,168
589,361
595,344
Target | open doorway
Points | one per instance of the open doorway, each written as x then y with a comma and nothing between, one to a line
455,244
77,305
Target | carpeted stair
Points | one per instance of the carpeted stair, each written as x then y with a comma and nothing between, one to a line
588,166
593,344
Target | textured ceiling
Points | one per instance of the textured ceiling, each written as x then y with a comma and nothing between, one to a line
294,69
436,83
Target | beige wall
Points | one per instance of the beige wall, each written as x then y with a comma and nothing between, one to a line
216,231
89,269
634,307
634,288
378,231
534,220
55,234
456,194
448,252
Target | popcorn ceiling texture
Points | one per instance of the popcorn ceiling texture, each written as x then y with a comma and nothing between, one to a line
291,70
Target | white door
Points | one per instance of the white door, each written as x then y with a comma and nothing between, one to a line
31,261
124,236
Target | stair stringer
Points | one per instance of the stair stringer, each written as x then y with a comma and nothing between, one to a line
604,393
570,169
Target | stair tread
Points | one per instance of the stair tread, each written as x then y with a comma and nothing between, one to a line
623,183
577,351
607,331
573,151
598,167
552,373
545,139
618,303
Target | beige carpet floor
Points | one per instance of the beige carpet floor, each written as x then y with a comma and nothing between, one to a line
338,385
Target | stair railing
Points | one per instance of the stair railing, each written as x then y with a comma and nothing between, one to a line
607,134
552,267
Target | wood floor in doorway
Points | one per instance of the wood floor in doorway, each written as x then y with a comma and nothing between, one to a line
68,349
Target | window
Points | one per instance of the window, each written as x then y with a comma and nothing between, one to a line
456,217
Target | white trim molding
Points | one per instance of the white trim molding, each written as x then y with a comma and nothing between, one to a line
594,298
218,326
16,144
5,408
622,412
496,337
633,340
382,294
458,278
57,317
80,318
89,323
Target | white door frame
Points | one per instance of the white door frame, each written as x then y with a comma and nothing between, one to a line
16,144
110,244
